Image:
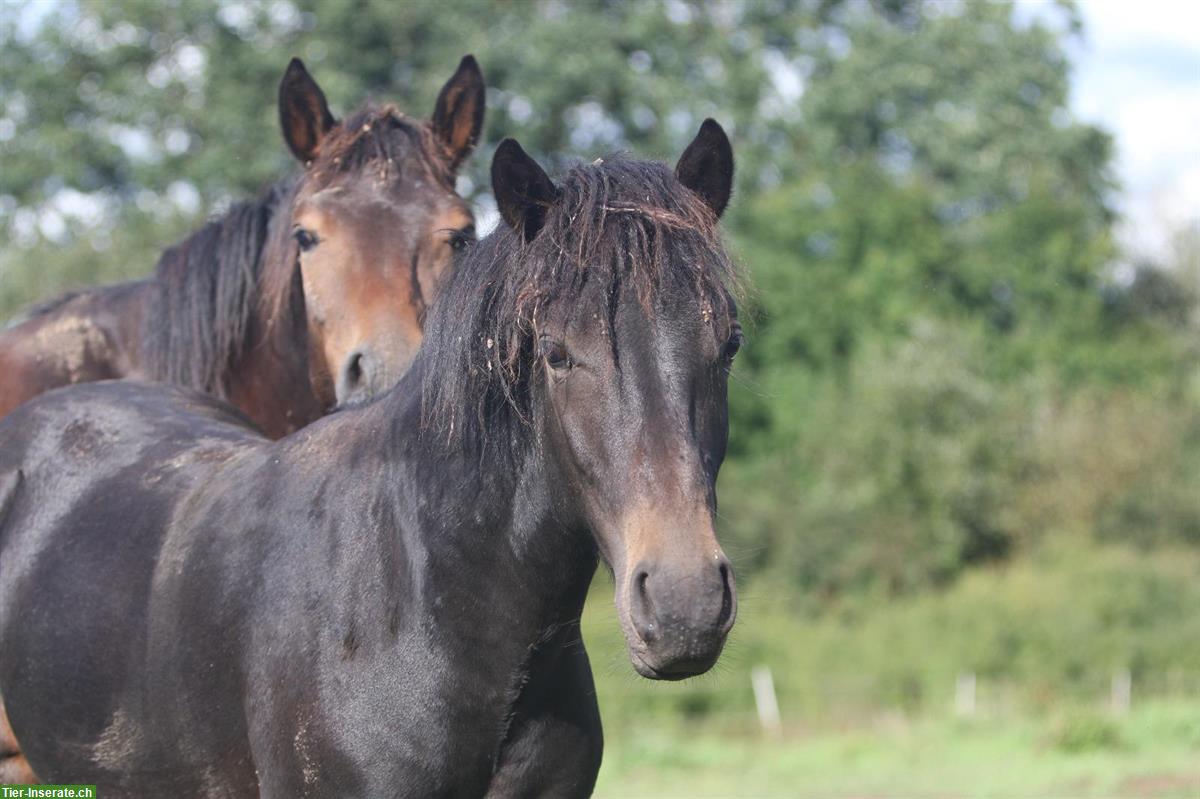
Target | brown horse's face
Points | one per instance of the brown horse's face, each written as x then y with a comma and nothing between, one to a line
375,235
635,409
370,260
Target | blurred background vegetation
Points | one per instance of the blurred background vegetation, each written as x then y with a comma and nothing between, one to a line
966,428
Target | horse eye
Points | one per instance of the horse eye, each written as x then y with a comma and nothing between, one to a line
556,356
730,350
459,239
305,238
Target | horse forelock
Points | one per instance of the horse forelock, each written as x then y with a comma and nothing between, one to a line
375,140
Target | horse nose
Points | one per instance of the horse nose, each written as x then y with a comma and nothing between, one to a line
682,615
354,383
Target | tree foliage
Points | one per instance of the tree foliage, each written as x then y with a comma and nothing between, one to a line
938,338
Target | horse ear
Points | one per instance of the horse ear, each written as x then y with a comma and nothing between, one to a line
303,113
523,191
706,166
458,115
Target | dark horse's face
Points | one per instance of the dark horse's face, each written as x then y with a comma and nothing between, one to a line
375,225
634,391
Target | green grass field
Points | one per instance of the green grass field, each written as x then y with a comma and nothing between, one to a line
1152,752
867,696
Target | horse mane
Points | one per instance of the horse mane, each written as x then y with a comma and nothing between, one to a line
209,287
628,225
204,295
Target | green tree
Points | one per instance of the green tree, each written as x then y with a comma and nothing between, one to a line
159,111
933,280
927,231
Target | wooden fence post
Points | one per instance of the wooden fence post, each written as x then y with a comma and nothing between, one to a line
1122,691
764,699
964,694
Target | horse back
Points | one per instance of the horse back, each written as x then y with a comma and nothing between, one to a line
77,338
91,478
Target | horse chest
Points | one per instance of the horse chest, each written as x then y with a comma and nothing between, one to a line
398,719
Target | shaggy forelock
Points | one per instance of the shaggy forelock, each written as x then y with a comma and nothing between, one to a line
380,138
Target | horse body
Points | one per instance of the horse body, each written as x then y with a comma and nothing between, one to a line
82,337
224,635
387,602
119,539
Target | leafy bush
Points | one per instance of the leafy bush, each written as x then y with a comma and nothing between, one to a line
919,460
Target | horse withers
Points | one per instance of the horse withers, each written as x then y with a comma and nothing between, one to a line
387,602
310,297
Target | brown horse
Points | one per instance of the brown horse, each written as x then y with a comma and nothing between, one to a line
310,297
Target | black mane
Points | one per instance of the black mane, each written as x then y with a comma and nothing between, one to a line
630,225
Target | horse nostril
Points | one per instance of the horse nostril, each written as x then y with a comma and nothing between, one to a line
643,608
354,370
725,619
355,381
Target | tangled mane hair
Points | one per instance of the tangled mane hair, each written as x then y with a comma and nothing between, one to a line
208,288
627,227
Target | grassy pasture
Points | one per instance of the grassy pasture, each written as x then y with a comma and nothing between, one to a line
1081,753
867,692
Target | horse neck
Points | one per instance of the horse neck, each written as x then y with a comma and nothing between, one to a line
499,562
272,383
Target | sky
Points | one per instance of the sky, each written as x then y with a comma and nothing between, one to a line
1137,74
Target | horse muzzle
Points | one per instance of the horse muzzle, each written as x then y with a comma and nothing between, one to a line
677,618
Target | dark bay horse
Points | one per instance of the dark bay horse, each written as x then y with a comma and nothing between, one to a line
387,602
309,297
